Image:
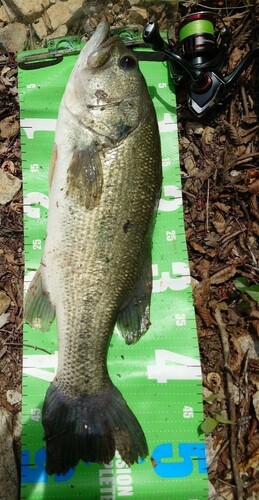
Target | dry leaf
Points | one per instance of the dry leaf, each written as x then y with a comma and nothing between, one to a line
10,258
201,292
214,380
197,247
232,133
223,275
250,119
207,135
184,142
194,128
225,250
189,164
240,150
8,166
235,58
219,223
253,462
221,206
253,188
9,126
205,315
229,157
229,20
202,268
248,136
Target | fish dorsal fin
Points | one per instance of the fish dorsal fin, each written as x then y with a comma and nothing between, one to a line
134,316
85,177
39,312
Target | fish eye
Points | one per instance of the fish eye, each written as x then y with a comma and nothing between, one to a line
127,62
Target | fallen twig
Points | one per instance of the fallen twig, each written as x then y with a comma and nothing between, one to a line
35,347
207,206
231,404
243,94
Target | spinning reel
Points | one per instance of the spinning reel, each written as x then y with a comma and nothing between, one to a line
197,58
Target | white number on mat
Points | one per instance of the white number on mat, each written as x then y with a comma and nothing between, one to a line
179,280
173,366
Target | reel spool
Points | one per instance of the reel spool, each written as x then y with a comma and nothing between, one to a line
197,38
201,42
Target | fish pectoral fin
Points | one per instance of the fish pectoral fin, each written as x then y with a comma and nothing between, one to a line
39,312
85,177
133,319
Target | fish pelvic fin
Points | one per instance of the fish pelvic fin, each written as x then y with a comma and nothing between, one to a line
90,428
39,312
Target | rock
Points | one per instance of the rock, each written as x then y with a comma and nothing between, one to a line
58,14
3,15
40,28
95,6
8,469
4,302
14,37
75,7
28,10
3,319
6,14
13,397
64,12
9,187
137,15
60,31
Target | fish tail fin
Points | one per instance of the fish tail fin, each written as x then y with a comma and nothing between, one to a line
90,428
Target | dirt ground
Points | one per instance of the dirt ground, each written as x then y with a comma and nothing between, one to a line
220,179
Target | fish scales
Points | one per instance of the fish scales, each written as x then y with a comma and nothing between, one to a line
96,269
100,263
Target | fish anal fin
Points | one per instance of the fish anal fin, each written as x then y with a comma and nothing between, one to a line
133,319
39,312
85,177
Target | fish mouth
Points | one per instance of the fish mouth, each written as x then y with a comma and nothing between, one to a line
100,45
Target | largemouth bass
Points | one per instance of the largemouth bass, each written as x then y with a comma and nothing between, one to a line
105,181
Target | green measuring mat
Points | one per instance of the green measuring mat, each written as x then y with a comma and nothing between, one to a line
159,376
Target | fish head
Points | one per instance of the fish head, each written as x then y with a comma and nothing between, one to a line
107,90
